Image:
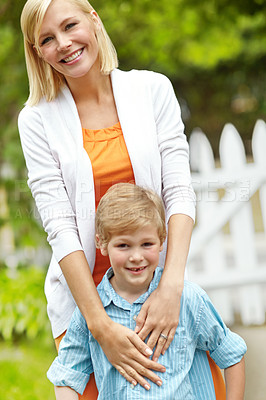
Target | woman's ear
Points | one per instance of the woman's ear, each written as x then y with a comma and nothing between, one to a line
37,51
95,19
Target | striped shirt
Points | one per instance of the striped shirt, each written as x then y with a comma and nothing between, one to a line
187,376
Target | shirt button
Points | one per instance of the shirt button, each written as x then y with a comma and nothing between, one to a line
135,317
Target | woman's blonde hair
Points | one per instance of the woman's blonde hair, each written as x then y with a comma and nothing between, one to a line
126,207
45,81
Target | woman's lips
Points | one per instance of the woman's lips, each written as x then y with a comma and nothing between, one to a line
72,57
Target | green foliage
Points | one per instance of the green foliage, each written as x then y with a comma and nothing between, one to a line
22,304
23,370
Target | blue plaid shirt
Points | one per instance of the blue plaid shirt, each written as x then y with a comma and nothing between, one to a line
187,375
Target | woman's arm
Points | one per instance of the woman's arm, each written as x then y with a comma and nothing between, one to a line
160,312
235,381
123,348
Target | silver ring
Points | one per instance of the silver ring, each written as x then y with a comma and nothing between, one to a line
163,336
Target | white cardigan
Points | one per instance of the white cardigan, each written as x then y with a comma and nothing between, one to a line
60,172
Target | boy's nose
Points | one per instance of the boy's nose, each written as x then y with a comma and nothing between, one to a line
136,256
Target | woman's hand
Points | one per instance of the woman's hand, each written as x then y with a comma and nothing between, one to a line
129,354
159,317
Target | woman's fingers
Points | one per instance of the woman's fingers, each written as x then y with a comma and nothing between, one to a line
138,373
141,319
159,340
161,314
167,343
129,355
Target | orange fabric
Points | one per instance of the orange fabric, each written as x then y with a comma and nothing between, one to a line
218,381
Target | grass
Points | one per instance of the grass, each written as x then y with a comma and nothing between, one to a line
23,369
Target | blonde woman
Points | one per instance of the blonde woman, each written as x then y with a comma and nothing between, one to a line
86,126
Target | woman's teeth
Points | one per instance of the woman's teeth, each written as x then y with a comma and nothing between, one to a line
73,56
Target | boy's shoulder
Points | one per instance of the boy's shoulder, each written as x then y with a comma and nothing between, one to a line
194,294
192,288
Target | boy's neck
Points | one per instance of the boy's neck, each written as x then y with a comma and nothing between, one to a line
129,295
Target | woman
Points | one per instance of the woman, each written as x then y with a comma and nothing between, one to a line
86,126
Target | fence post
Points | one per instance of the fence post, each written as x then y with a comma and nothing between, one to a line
213,255
233,158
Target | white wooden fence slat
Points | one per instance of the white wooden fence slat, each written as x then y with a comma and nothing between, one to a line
259,155
220,178
215,220
240,266
213,257
232,154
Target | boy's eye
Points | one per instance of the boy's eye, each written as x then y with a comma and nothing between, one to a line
122,245
147,244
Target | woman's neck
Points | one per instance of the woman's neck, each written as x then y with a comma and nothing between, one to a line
93,95
91,87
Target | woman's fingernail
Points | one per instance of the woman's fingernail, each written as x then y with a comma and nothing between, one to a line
156,359
148,351
163,369
147,387
136,328
159,383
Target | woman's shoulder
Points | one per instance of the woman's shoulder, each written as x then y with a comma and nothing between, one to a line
142,77
43,105
46,109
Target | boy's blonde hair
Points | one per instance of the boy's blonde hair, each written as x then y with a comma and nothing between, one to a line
128,207
44,81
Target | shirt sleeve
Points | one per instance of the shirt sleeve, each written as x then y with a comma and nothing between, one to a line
47,185
178,194
73,366
226,347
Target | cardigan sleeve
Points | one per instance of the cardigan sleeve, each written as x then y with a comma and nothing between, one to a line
47,185
177,191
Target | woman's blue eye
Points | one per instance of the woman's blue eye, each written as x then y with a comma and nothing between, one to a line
46,40
69,26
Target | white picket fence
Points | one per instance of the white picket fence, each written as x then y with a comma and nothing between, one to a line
227,255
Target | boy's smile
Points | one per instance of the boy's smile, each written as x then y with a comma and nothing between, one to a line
133,257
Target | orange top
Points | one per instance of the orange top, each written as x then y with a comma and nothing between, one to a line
110,164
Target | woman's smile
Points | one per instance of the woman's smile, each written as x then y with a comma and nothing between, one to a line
72,57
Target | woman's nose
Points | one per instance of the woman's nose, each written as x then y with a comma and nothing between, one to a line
63,43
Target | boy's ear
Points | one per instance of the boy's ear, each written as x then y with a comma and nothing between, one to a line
103,248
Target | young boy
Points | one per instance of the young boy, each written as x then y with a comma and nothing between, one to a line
130,229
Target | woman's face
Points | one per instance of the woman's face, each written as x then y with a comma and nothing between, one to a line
67,39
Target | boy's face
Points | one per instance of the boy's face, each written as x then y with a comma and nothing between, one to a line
133,257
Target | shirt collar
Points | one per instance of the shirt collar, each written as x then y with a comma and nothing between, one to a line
108,294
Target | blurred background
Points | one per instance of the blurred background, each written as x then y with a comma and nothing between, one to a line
214,52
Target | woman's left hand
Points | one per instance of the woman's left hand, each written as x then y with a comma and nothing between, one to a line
159,317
